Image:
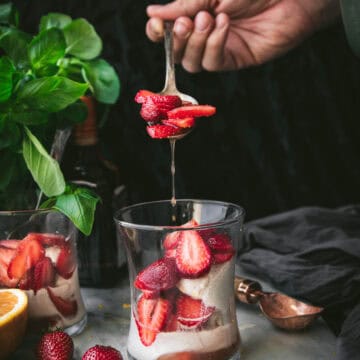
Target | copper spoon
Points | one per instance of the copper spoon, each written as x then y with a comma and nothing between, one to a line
170,81
282,310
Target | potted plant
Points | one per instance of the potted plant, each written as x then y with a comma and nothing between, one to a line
42,79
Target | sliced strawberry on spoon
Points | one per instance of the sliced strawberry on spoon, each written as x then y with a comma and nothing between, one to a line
155,107
193,256
181,123
141,95
152,317
163,131
191,111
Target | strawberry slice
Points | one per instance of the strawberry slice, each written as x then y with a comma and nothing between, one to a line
219,258
65,307
66,261
192,312
219,243
172,239
160,275
182,123
44,274
191,111
28,253
141,95
6,255
193,256
152,316
27,281
172,324
155,107
10,243
159,131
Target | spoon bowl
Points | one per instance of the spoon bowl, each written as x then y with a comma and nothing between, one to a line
282,310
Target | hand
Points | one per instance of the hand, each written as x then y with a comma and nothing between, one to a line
232,34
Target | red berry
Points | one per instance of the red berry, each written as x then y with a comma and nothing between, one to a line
66,261
182,123
163,131
160,275
43,275
55,345
67,308
191,111
141,95
100,352
6,255
155,107
193,256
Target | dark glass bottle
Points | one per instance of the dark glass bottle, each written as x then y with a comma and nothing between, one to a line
84,165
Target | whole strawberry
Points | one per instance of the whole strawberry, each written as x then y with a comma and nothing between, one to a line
100,352
56,345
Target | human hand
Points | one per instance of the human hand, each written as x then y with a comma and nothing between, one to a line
232,34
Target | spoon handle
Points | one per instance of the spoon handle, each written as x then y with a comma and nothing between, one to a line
170,82
247,291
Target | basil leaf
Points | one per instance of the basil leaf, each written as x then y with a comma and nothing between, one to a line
103,80
8,14
30,117
79,205
44,169
6,73
15,42
54,20
50,94
82,40
47,48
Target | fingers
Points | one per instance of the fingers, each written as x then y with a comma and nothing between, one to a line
183,28
178,8
197,41
213,57
155,29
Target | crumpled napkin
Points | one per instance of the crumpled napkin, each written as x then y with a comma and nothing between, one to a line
312,254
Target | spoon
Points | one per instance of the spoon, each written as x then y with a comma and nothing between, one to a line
170,81
282,310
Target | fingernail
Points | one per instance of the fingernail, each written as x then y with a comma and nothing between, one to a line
156,26
201,24
181,29
221,21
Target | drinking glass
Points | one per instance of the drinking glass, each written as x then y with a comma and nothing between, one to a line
38,255
181,261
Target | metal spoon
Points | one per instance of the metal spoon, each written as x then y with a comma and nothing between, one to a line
170,81
282,310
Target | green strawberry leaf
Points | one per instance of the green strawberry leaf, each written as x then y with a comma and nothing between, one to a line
44,169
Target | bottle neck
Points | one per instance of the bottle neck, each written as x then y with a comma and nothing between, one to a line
85,134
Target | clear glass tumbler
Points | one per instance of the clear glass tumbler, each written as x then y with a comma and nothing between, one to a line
38,255
181,262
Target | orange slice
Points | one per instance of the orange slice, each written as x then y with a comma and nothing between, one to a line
13,319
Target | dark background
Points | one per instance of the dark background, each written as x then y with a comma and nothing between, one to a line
285,134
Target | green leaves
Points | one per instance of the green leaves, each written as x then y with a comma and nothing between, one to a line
54,20
50,94
44,169
8,14
82,40
78,204
46,49
103,80
6,72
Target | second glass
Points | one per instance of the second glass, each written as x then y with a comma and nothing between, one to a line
181,262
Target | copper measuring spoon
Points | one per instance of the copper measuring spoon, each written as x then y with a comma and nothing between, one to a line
282,310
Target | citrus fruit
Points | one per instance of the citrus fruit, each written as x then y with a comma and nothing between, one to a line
13,319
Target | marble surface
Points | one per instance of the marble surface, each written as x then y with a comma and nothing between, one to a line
108,324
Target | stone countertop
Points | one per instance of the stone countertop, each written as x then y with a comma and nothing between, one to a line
109,319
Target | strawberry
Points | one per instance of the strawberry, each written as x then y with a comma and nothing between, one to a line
44,274
66,261
141,95
152,316
10,243
28,253
65,307
27,281
193,256
172,239
160,275
221,247
100,352
47,239
56,345
191,111
155,107
182,123
159,131
219,258
192,312
6,255
172,324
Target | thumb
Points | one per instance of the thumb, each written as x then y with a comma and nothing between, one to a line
177,8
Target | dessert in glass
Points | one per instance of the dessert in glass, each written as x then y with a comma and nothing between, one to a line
181,260
38,255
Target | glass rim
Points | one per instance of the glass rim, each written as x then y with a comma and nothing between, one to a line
240,216
24,212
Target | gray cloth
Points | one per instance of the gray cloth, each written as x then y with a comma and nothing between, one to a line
312,254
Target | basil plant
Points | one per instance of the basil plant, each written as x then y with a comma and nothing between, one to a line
42,78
